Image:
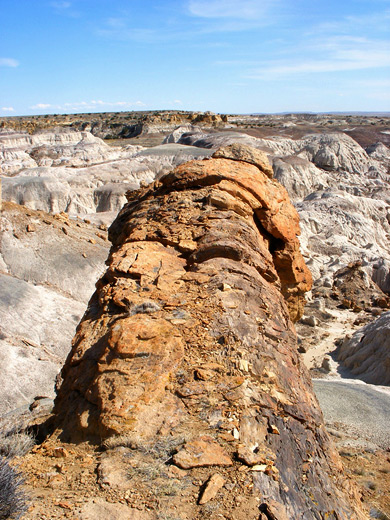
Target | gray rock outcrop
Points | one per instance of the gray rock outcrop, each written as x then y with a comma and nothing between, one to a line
75,172
367,353
48,269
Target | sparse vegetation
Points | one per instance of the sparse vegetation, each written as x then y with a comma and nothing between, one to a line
162,450
15,438
154,474
12,497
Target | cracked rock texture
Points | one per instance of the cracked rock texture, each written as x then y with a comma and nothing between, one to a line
188,347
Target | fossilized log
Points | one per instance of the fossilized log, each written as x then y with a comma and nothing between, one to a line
189,337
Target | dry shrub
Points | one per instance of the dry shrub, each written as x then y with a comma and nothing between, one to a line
15,438
12,497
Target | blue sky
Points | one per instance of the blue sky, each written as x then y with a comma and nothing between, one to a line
227,56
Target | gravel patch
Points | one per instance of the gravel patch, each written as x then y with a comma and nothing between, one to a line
360,411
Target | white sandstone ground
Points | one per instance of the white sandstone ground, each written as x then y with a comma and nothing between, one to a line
48,270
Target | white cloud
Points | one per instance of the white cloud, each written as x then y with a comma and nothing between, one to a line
205,17
8,109
376,21
376,83
8,62
116,23
88,105
41,106
334,54
243,9
61,5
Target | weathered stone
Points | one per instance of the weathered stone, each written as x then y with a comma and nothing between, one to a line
367,353
201,452
241,152
133,372
355,289
60,452
99,508
274,511
251,458
212,486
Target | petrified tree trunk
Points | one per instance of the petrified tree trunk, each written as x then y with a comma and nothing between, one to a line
189,341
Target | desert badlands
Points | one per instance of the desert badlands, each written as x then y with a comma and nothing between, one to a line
238,262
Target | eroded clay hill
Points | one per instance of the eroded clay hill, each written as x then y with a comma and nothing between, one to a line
187,355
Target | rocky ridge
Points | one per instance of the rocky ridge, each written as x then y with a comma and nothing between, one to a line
188,349
75,172
116,125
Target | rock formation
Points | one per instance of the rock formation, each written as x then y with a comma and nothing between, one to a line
341,193
355,289
65,170
188,352
367,352
48,269
115,125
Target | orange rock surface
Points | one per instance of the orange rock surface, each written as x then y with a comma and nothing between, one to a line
189,342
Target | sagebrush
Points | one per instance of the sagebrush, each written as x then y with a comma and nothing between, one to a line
12,497
15,438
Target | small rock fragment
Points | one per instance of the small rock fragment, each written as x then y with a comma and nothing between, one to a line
213,485
187,246
272,471
30,228
225,287
204,375
60,452
64,505
312,321
325,365
259,467
244,365
274,510
249,457
203,451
